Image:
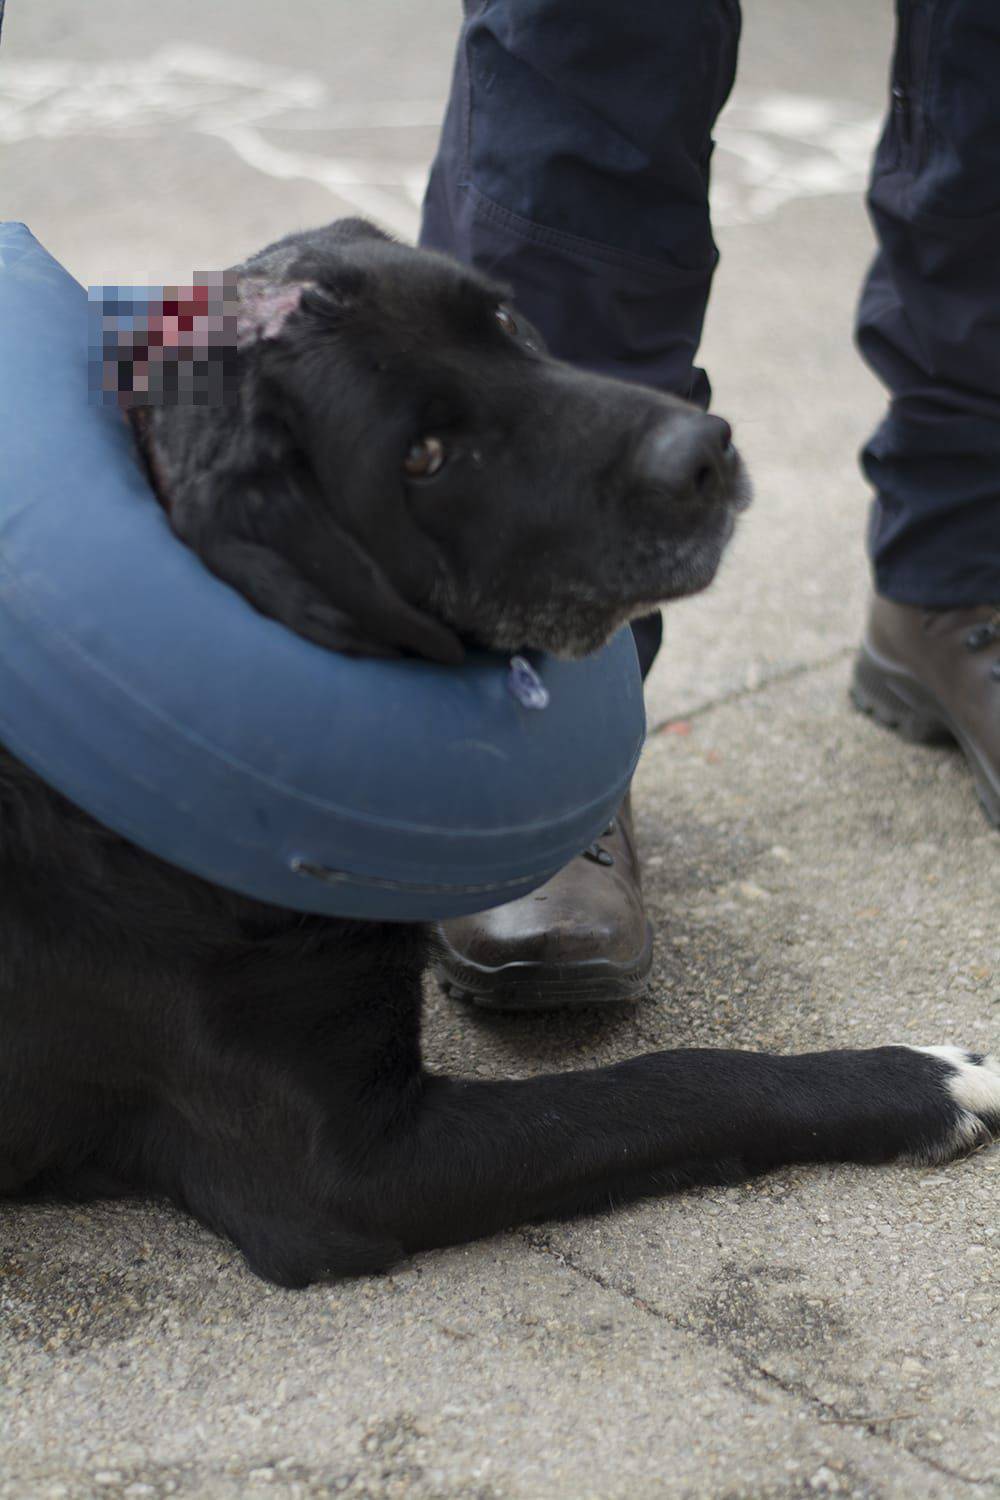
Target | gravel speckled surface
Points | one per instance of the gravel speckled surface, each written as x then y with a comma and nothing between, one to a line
814,882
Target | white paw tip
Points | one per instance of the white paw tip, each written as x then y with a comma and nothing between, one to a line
974,1084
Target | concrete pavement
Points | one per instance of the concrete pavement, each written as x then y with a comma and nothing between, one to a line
813,881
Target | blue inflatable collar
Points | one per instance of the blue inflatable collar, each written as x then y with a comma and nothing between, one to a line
155,698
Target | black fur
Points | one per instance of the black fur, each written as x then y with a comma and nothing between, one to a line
261,1068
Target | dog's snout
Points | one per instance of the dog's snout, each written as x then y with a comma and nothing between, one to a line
690,456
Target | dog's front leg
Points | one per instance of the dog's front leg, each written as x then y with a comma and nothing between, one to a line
476,1157
311,1133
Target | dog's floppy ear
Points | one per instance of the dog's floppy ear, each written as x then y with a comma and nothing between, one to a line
273,283
322,583
265,307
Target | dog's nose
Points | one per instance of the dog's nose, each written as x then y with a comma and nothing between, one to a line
691,455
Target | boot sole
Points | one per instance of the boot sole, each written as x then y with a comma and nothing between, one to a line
539,986
899,702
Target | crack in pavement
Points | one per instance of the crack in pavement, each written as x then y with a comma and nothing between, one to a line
736,695
829,1412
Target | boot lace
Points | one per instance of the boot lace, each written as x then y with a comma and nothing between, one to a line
597,852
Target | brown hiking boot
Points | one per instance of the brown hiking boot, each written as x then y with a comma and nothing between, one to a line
581,939
934,675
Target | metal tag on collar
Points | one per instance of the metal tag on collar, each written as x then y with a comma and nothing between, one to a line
526,685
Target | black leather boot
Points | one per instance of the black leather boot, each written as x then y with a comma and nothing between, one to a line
581,939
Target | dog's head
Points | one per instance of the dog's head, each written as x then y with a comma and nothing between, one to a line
407,469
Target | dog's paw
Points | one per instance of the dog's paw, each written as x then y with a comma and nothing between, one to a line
970,1085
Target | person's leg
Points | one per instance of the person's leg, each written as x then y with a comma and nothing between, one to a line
929,326
574,166
929,318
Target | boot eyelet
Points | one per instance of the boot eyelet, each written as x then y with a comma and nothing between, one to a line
598,855
980,636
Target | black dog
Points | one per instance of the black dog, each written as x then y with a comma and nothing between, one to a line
406,470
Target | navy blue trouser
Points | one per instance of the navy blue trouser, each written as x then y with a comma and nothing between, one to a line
574,165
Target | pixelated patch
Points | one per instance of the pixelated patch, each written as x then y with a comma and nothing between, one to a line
164,346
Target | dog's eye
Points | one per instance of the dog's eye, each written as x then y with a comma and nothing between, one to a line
425,458
510,326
